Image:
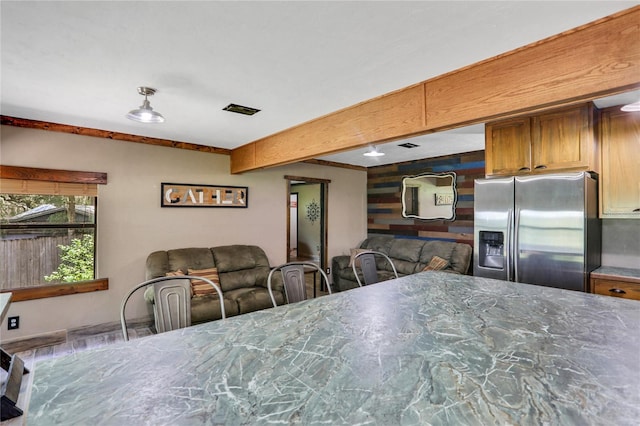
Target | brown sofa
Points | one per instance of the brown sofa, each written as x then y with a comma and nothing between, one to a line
409,256
242,270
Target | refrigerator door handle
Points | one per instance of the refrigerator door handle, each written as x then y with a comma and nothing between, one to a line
516,243
509,245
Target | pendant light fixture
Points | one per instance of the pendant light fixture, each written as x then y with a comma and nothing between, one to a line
145,114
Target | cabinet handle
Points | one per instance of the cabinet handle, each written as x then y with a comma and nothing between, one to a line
524,169
540,167
636,210
617,291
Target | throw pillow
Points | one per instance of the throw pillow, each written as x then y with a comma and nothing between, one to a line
201,288
174,273
436,264
354,252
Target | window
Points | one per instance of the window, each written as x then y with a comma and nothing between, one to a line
47,233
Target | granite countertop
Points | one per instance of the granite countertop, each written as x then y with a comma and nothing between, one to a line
431,348
616,272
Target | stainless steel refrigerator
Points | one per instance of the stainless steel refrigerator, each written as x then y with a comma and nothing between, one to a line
541,229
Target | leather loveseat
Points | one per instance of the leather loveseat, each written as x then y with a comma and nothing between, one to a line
409,256
242,271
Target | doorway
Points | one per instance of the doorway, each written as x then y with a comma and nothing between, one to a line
307,219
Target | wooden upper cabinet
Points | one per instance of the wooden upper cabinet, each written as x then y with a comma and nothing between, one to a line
620,179
555,141
564,140
508,146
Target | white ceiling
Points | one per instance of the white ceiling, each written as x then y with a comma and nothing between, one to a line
80,63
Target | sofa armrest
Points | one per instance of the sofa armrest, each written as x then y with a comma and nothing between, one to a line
461,258
340,262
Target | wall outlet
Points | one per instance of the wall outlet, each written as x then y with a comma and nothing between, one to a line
328,271
13,323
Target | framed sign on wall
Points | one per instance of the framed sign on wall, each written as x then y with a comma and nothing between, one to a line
190,195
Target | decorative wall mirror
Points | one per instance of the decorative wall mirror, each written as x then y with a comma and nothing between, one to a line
429,196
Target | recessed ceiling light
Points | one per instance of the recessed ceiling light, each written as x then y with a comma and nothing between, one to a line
373,152
240,109
631,107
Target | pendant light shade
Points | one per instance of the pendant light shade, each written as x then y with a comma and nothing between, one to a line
145,114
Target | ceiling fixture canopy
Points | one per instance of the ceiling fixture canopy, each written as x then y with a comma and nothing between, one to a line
145,114
373,152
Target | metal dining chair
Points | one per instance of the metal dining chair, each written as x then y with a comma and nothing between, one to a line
367,262
172,302
295,286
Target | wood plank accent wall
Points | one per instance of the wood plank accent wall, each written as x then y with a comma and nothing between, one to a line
384,204
587,62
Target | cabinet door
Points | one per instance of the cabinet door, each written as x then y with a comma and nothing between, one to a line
563,140
620,182
508,147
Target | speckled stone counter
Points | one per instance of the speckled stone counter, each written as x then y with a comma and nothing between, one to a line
431,348
612,271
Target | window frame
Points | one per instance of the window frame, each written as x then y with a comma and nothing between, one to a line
59,176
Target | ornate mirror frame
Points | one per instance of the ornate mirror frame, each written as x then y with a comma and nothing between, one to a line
429,196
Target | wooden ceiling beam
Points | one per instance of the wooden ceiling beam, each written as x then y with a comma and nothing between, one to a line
591,61
107,134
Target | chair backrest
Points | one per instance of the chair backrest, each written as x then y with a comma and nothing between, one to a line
295,287
367,262
172,302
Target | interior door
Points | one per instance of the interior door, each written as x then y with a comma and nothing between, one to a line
312,210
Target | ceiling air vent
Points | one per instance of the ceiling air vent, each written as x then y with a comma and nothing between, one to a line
240,109
408,145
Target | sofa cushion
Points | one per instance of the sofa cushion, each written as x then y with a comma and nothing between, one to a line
378,243
436,264
199,287
207,308
190,258
253,299
406,249
241,266
443,249
236,257
160,262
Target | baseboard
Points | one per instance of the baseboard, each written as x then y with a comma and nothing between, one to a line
63,336
107,327
35,342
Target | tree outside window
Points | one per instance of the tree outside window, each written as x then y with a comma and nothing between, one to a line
46,239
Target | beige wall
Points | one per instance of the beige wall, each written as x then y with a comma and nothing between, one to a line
131,223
